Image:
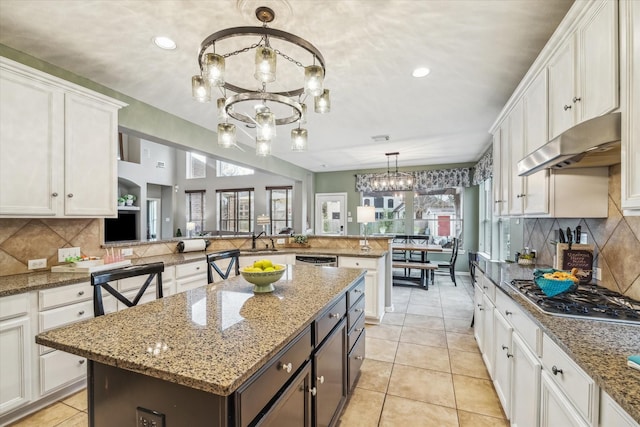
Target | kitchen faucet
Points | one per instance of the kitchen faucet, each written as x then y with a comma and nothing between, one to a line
254,238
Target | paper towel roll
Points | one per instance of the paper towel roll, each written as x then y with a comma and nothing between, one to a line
192,245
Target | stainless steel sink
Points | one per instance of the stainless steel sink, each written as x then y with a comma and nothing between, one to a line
258,250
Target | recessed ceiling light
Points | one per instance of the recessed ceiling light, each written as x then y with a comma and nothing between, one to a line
164,42
420,72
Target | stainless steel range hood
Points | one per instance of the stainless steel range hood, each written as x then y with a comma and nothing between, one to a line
592,143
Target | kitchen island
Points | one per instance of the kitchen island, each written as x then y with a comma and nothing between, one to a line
222,354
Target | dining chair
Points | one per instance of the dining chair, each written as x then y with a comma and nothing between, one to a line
213,268
100,280
451,265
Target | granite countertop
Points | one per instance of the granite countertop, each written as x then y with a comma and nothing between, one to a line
600,348
211,338
20,283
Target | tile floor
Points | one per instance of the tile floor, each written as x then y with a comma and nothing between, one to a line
423,368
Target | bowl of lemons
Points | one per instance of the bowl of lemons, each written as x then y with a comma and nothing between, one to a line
262,274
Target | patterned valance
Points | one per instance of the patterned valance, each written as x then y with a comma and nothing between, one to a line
424,180
483,170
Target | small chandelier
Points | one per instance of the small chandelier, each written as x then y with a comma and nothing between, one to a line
392,180
215,70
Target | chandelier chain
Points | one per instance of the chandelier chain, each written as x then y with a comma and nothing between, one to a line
246,49
288,58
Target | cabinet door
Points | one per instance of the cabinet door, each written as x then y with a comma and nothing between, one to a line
598,47
516,146
15,363
293,408
330,377
91,174
488,354
371,303
525,385
58,369
555,409
503,361
31,144
478,317
536,186
561,70
496,180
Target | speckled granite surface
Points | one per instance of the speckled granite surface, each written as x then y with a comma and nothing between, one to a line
19,283
599,348
211,338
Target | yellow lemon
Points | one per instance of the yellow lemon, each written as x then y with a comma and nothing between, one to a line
269,269
266,263
258,264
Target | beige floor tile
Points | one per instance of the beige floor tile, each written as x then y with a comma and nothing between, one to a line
374,375
400,307
423,336
393,319
430,298
462,342
378,349
398,411
80,419
422,384
422,356
476,395
384,332
468,363
457,312
428,322
425,310
77,401
363,409
469,419
457,325
50,416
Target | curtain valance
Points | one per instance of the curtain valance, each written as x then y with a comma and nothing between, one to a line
424,180
483,170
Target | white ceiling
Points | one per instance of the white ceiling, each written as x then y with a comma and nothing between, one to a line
478,51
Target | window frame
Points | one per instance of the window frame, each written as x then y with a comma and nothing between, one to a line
274,223
236,220
200,223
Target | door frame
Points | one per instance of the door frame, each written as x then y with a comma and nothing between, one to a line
322,197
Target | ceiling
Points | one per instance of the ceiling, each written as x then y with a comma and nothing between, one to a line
477,50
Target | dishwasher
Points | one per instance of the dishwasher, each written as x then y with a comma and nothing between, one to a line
318,260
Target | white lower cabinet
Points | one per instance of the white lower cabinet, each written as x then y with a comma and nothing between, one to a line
58,369
503,361
191,275
374,282
525,385
555,408
612,415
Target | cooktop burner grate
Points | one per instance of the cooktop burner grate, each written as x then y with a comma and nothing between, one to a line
587,301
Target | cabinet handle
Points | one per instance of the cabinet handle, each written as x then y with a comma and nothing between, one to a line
197,268
320,379
81,361
504,347
509,355
358,310
480,307
567,107
576,99
358,330
70,195
359,357
555,370
485,287
313,391
508,313
357,291
81,312
334,315
80,293
286,367
520,195
54,194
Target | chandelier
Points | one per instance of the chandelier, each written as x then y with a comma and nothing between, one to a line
246,99
392,180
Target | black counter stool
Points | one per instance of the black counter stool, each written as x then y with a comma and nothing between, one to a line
213,268
101,280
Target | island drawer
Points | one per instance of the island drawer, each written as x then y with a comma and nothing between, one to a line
355,292
354,333
325,323
14,306
356,357
354,313
252,397
353,262
64,295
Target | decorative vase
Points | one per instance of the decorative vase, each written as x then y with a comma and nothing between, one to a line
129,202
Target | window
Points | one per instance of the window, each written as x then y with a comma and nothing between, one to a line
235,210
438,214
195,212
280,202
485,217
390,212
229,169
196,166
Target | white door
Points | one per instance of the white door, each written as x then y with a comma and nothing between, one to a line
331,214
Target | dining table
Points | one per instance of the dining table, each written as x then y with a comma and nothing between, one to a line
408,249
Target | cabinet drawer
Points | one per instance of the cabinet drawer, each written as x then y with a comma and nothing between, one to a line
14,306
570,378
254,396
356,357
522,324
358,328
191,282
354,293
329,319
354,313
488,287
191,269
351,262
64,295
72,313
59,368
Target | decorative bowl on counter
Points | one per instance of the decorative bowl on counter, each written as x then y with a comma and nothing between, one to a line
263,280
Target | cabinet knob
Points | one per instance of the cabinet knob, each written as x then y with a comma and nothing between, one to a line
576,99
357,291
334,315
358,310
480,307
555,370
70,195
81,312
54,194
80,293
81,361
485,287
313,391
320,379
358,330
567,107
286,367
508,313
359,357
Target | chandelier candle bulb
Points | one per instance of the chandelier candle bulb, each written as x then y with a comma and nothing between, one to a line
226,135
265,125
263,148
298,139
322,103
222,111
265,64
213,69
313,80
200,90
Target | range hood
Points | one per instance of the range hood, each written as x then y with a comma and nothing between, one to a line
592,143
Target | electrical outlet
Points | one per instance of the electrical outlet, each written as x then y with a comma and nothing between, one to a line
37,263
280,241
64,253
362,242
598,274
126,251
149,418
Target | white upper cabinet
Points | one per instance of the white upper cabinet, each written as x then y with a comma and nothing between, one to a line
516,147
583,73
58,147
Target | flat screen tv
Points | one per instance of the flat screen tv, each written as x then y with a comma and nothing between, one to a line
122,228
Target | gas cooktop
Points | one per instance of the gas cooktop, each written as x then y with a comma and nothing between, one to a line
587,301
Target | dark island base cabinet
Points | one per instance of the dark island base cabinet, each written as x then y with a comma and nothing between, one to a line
330,377
293,407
